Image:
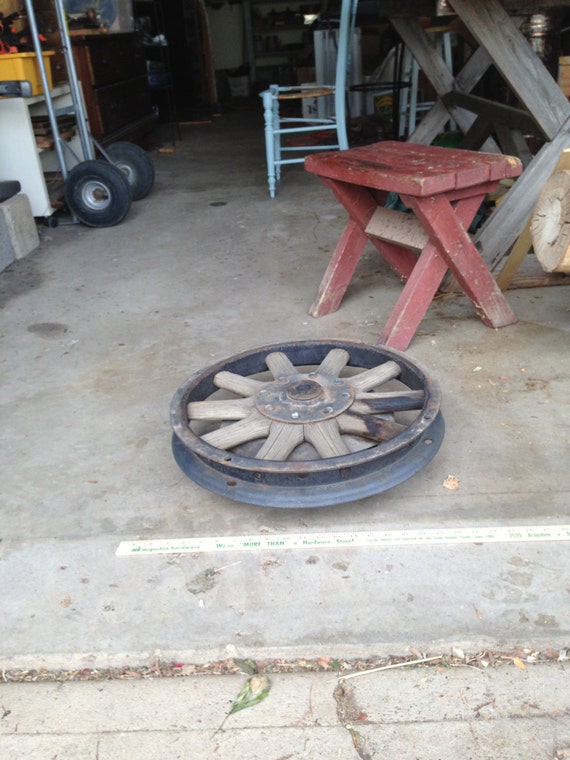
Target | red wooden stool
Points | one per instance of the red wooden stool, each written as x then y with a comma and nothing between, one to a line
444,188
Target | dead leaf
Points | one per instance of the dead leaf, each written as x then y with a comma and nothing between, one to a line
130,674
451,482
324,662
519,663
187,670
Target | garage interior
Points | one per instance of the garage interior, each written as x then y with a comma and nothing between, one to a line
102,325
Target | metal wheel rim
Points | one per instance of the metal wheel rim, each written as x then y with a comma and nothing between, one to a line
311,482
95,195
127,170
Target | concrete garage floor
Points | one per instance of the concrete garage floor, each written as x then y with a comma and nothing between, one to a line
100,327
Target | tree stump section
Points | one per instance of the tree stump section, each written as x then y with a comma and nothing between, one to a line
550,224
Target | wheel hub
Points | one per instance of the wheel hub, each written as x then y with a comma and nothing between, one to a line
296,399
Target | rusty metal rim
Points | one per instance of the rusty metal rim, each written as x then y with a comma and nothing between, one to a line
273,483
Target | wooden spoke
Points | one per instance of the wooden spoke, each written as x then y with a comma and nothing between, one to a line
325,437
396,401
282,440
375,376
357,443
243,386
279,365
374,428
252,427
227,409
334,362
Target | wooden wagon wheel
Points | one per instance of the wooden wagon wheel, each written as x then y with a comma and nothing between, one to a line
306,424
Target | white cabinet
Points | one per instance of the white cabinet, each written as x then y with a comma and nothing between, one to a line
22,159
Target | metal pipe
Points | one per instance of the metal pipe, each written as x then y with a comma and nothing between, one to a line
45,83
76,94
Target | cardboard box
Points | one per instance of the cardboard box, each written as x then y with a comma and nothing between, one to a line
24,66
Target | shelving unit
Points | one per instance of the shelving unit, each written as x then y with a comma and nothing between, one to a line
150,23
184,75
23,159
275,36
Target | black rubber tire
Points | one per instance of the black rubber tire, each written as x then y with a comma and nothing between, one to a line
136,164
98,193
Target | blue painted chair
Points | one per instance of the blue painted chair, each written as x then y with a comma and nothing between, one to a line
284,143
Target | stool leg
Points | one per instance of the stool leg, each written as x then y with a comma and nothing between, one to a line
360,204
267,98
340,270
414,300
447,227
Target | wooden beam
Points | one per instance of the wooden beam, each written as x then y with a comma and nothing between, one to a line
397,227
522,69
480,130
427,7
499,113
509,218
443,81
513,143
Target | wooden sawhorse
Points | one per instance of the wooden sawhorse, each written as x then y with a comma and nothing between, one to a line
444,188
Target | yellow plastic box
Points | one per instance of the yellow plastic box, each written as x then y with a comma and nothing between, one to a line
21,66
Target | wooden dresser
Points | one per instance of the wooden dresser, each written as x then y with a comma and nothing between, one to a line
112,72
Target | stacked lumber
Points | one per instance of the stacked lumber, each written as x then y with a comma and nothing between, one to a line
43,132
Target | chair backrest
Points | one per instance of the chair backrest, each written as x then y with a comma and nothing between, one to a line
343,64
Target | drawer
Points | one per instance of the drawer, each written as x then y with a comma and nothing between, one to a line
114,58
58,68
123,103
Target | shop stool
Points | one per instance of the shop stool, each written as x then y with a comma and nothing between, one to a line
444,188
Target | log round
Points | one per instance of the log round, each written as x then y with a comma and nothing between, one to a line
550,224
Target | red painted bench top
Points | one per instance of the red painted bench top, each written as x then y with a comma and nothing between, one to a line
412,169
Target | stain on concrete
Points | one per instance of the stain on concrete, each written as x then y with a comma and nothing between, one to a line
204,581
546,621
19,278
517,578
48,329
518,561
